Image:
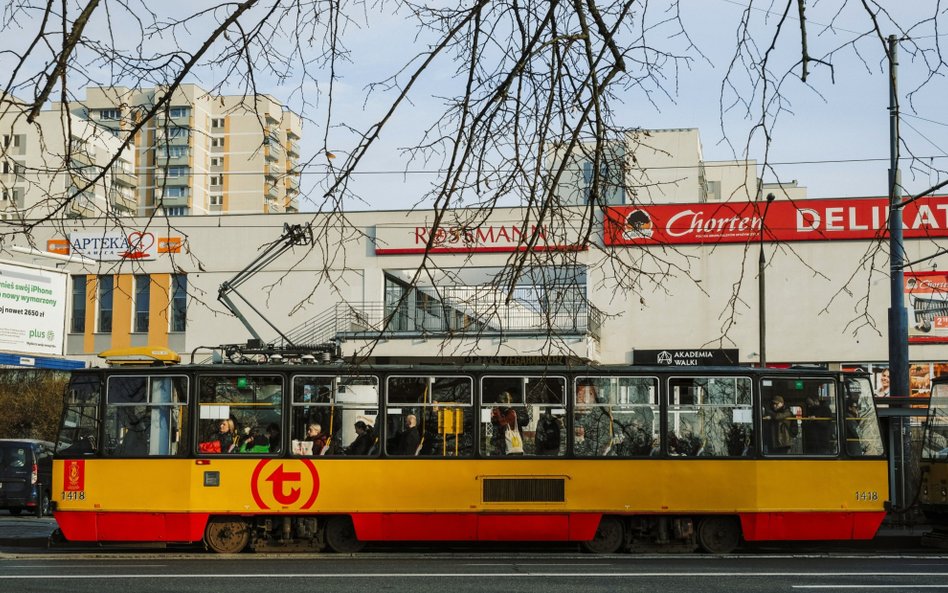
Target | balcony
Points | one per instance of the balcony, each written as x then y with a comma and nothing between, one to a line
172,201
292,148
273,192
80,204
81,158
123,202
162,160
163,179
123,177
292,184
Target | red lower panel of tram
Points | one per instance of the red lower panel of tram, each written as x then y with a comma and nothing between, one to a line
189,527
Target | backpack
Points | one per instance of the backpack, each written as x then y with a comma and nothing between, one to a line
794,427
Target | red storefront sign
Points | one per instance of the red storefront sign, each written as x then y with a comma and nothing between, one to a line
800,220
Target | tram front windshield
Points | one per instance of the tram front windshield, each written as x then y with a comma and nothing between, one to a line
935,446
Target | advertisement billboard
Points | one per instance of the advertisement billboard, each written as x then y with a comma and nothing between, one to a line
926,298
33,309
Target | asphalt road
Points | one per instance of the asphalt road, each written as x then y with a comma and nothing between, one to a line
888,564
427,573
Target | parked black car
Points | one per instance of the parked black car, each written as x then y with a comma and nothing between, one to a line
26,475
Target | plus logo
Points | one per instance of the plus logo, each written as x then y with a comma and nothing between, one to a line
287,484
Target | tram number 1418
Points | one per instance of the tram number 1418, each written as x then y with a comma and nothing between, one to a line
80,495
867,495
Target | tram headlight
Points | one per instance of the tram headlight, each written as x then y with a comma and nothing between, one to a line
944,493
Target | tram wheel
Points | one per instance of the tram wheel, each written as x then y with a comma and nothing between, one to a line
609,537
719,535
226,535
341,536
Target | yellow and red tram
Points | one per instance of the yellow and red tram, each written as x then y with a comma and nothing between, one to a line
330,456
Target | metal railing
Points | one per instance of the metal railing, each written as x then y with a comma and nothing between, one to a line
436,318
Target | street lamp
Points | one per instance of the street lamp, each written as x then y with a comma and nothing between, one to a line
761,295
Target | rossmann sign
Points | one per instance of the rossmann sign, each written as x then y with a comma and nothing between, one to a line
800,220
493,237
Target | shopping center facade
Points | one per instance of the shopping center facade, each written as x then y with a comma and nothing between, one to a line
626,284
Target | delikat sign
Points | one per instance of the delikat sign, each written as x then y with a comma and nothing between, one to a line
800,220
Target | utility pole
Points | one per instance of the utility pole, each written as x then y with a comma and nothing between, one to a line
898,316
761,288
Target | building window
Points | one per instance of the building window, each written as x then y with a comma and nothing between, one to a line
178,132
179,112
175,192
78,324
179,302
108,114
177,171
105,304
173,152
217,179
217,142
217,161
217,200
142,303
176,210
217,122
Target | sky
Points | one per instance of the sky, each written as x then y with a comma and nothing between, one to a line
832,135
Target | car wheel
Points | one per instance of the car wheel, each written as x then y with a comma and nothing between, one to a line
15,511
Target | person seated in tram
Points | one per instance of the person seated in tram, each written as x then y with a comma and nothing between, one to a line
315,435
225,440
406,441
364,440
255,443
273,437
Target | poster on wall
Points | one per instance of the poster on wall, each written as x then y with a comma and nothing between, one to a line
33,309
926,298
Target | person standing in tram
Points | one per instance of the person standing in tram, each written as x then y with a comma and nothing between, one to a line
819,427
779,429
508,426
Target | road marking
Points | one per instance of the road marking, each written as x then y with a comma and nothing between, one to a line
900,587
532,574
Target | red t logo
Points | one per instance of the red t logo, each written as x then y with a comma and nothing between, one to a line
278,477
289,488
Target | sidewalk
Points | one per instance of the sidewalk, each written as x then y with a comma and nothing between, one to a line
26,531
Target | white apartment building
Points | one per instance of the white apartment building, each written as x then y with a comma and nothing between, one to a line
204,153
63,166
661,166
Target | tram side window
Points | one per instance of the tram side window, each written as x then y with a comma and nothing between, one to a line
616,417
240,414
146,415
523,415
430,416
799,416
862,435
80,422
326,410
710,417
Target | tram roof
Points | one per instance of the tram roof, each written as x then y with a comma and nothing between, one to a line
479,368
